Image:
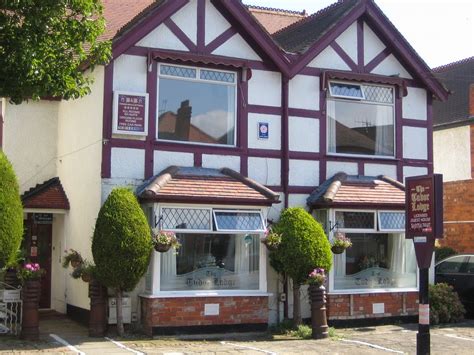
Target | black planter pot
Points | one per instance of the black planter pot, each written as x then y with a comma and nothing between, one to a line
162,248
319,324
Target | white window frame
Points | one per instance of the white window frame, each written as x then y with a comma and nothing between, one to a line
344,96
355,102
388,230
235,230
199,80
332,291
155,262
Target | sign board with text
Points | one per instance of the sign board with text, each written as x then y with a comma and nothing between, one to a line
424,214
130,113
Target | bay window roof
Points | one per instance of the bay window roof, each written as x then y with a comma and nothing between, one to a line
203,185
357,191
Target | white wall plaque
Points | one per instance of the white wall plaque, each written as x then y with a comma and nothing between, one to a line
211,309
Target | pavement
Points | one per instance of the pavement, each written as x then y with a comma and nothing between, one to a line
64,336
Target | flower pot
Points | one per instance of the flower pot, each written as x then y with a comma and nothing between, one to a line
30,318
162,248
86,277
319,325
337,249
98,312
75,263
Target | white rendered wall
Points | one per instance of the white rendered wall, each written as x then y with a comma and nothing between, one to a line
162,37
79,167
304,172
236,47
413,171
266,171
372,44
221,161
452,153
334,167
128,163
183,19
59,275
304,134
304,92
347,40
298,200
274,131
130,73
391,66
414,105
380,169
329,59
216,24
30,134
264,88
163,159
415,143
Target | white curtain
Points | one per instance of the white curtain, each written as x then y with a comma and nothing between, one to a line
331,123
383,132
396,247
168,263
410,256
241,255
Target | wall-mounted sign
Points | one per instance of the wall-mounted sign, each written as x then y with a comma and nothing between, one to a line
130,113
263,128
43,218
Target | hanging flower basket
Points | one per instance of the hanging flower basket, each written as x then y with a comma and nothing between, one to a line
340,243
72,257
163,241
271,240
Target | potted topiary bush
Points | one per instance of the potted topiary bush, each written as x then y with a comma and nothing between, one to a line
121,245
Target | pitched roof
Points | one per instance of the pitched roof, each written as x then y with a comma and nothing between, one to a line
48,195
203,185
457,77
358,191
298,37
274,20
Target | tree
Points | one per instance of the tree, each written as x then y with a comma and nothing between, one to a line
45,43
11,212
121,245
304,247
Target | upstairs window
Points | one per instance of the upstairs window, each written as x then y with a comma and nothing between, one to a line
361,119
196,105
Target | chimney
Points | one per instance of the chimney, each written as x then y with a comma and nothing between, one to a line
183,121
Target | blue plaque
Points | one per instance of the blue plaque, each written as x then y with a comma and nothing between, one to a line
263,130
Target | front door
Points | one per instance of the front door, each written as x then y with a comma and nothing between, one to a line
38,242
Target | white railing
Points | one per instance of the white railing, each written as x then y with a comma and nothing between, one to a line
10,309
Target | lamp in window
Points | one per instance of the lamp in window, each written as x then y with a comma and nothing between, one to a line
340,243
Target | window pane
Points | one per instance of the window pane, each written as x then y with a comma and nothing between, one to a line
392,221
177,71
376,261
358,220
239,221
186,218
217,76
193,111
212,262
378,94
346,90
450,266
360,128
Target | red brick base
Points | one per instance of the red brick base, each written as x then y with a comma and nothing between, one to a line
360,305
189,311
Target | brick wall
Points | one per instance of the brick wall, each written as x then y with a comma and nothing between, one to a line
459,215
189,311
360,305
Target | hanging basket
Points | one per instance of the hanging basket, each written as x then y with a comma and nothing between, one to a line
162,248
75,263
270,247
337,249
86,277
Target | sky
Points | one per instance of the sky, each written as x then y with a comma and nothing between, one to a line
441,31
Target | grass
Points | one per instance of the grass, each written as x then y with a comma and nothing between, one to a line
303,331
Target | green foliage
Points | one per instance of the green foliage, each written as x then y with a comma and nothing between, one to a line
304,245
445,306
11,213
121,245
303,331
44,44
443,252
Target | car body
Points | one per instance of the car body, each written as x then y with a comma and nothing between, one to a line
458,271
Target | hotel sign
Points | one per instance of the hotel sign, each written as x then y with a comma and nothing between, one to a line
424,214
130,113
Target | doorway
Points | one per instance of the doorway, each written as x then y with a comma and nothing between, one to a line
38,246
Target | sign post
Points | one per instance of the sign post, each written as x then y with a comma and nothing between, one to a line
424,223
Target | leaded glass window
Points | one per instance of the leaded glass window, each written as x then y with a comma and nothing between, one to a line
392,221
238,221
185,218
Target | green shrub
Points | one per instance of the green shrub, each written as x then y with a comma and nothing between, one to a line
443,252
11,212
121,245
445,306
303,331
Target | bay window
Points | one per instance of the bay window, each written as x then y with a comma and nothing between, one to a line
197,105
361,119
380,257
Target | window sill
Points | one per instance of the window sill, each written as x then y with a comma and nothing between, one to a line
375,290
189,294
361,156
